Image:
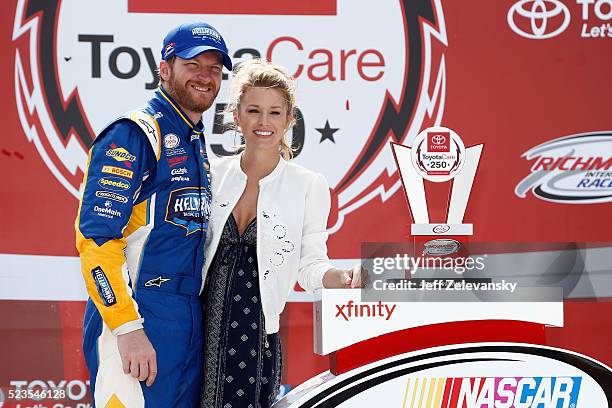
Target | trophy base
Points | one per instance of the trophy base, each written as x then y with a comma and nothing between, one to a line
442,229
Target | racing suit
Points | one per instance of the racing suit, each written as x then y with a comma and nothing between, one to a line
140,230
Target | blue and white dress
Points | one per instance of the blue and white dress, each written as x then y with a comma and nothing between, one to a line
242,364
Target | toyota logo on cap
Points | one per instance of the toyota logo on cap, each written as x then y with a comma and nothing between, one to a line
538,19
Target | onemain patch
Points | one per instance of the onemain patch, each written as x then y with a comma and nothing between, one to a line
103,285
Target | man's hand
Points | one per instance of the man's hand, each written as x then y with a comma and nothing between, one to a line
138,356
355,277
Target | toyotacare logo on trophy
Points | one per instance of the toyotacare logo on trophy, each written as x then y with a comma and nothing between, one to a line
438,154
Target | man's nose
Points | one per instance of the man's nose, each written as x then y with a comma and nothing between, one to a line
204,74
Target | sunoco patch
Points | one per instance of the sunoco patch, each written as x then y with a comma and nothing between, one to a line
104,288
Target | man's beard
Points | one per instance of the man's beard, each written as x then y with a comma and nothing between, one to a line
182,96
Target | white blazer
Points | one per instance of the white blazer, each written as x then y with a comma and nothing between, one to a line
292,211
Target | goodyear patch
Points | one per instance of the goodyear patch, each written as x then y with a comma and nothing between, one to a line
112,196
118,171
103,285
120,154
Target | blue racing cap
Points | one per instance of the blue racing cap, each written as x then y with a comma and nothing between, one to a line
190,40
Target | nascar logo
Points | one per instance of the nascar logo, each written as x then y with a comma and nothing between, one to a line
492,392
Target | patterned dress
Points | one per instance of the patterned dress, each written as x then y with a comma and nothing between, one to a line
242,365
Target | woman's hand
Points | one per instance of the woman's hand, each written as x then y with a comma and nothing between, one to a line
356,277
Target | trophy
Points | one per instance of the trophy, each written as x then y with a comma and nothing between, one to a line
437,173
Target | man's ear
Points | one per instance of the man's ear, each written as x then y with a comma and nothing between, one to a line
164,70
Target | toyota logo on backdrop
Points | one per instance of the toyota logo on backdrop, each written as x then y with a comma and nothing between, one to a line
538,19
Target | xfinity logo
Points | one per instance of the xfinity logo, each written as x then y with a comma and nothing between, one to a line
538,19
374,310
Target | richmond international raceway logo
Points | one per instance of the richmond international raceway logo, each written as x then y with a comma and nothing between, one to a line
575,169
538,19
358,90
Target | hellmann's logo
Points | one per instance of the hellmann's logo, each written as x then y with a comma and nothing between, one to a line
493,392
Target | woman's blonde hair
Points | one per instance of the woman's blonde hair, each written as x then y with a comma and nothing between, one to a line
256,73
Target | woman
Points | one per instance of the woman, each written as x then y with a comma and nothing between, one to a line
267,229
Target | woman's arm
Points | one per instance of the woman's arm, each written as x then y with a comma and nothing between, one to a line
314,262
315,270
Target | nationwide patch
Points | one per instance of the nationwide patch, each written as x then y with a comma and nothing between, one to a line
103,285
112,196
189,208
120,154
118,171
114,183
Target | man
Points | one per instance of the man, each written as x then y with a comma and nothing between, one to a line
141,229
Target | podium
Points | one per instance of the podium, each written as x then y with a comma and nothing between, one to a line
443,355
416,326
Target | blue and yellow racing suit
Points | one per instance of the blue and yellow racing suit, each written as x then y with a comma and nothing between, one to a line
140,229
